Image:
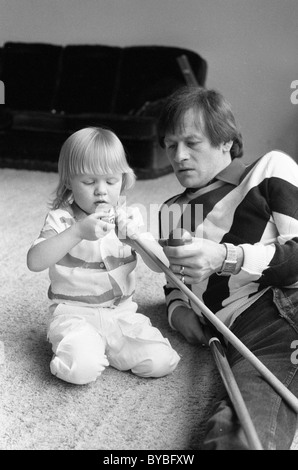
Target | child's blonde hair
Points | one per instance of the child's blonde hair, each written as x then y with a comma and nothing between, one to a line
92,150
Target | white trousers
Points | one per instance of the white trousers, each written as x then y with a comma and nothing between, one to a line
85,340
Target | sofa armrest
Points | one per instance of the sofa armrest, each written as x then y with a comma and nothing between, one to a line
151,73
150,108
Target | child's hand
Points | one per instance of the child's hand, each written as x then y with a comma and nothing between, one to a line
93,227
129,222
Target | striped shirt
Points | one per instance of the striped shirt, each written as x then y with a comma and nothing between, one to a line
254,206
97,273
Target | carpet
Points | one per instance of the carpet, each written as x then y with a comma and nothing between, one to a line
117,412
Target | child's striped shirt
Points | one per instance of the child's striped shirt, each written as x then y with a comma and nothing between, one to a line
94,273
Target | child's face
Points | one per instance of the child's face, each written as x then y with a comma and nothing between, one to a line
91,192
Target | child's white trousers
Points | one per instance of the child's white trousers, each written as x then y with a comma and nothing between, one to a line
85,340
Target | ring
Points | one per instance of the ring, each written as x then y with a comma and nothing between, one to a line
181,271
182,279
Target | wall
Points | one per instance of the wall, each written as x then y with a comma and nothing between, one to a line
250,46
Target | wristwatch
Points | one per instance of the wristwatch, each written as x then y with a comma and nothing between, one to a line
230,262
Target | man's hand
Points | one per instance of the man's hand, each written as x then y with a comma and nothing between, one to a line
188,324
200,259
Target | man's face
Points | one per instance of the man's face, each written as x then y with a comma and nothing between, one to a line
194,160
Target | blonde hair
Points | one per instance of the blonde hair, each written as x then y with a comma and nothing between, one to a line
92,150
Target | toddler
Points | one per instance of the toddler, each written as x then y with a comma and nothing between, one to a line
91,261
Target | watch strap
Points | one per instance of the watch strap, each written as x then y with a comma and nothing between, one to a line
230,262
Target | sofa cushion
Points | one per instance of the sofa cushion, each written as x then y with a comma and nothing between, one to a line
39,121
6,118
133,127
88,78
149,73
30,72
39,150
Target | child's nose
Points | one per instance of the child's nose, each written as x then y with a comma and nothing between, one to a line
100,189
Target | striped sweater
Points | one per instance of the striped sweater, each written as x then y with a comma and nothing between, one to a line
93,273
254,206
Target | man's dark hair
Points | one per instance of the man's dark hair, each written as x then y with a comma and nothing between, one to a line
213,110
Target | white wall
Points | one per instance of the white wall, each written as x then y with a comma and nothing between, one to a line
251,47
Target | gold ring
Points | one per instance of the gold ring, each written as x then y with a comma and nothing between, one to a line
181,271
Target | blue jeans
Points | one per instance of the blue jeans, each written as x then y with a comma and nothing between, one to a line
269,328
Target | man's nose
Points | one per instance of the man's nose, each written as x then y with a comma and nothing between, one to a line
181,153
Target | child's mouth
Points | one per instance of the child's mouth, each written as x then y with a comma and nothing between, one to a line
97,203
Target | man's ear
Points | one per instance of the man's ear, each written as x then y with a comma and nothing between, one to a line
227,146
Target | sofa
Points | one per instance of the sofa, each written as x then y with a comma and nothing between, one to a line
53,90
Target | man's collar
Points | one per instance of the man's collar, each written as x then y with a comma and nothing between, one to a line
232,173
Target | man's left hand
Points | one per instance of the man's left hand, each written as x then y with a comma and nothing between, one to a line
200,259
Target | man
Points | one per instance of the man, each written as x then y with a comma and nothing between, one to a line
243,262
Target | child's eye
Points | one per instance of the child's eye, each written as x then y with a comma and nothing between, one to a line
112,181
88,182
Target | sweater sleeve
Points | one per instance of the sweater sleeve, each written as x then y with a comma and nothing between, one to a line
275,263
174,297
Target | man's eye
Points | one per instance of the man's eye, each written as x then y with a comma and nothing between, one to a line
192,144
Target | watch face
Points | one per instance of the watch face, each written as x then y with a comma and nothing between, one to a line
228,269
229,266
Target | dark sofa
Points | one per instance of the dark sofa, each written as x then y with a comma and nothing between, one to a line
52,91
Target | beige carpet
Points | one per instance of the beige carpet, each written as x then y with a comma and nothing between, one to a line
118,412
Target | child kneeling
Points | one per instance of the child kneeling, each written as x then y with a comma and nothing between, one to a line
91,264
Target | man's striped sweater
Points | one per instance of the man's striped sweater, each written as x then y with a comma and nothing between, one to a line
255,206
